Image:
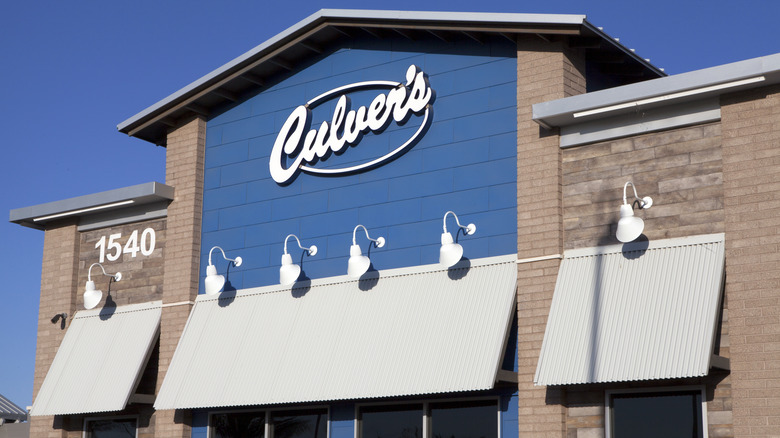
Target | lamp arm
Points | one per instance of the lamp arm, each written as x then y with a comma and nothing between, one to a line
117,276
310,250
470,228
380,241
645,202
235,261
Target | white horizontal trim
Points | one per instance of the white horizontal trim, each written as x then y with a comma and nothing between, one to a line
666,97
641,122
539,259
83,210
180,303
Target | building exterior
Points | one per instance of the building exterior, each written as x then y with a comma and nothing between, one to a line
528,126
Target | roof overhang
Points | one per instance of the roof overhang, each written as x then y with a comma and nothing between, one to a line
399,332
647,96
100,361
127,204
315,34
638,311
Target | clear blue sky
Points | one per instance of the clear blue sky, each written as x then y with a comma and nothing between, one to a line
71,71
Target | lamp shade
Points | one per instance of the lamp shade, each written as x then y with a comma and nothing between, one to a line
450,252
214,282
289,272
629,226
92,297
358,263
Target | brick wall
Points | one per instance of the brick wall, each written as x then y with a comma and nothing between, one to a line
751,154
680,169
545,71
142,276
184,171
58,295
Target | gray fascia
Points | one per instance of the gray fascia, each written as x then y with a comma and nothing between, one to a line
141,194
335,14
559,113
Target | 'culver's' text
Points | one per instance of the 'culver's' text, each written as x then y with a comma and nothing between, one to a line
297,145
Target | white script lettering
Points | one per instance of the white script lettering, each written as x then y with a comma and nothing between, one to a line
297,145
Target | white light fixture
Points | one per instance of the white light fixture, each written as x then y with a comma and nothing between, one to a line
215,282
358,263
451,252
93,296
289,272
629,226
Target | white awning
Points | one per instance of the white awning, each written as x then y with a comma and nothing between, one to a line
410,331
634,312
100,360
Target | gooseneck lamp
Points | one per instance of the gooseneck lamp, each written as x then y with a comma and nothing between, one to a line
215,282
289,272
629,226
450,252
358,263
93,296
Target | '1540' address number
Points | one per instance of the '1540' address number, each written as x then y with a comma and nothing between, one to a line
111,249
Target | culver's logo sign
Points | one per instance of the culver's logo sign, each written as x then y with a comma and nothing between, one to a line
298,147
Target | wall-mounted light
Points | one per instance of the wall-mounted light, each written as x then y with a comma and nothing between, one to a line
289,272
451,252
93,296
358,263
629,226
215,282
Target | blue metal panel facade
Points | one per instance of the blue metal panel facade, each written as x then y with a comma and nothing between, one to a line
465,162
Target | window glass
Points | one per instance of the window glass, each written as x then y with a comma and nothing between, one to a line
396,421
238,425
117,428
300,424
666,414
464,420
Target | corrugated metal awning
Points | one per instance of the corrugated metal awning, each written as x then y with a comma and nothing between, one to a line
410,331
100,360
634,312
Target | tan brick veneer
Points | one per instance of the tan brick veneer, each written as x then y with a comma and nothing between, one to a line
751,180
59,275
545,71
185,157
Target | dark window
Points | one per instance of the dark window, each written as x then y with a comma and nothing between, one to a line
395,421
238,425
464,420
300,424
116,428
659,414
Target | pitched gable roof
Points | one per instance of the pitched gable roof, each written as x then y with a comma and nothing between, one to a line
322,30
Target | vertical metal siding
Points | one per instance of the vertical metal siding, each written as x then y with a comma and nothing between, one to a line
99,361
411,331
625,312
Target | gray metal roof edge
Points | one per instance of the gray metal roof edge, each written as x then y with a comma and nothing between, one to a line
10,410
560,109
151,191
372,275
324,14
628,52
699,239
